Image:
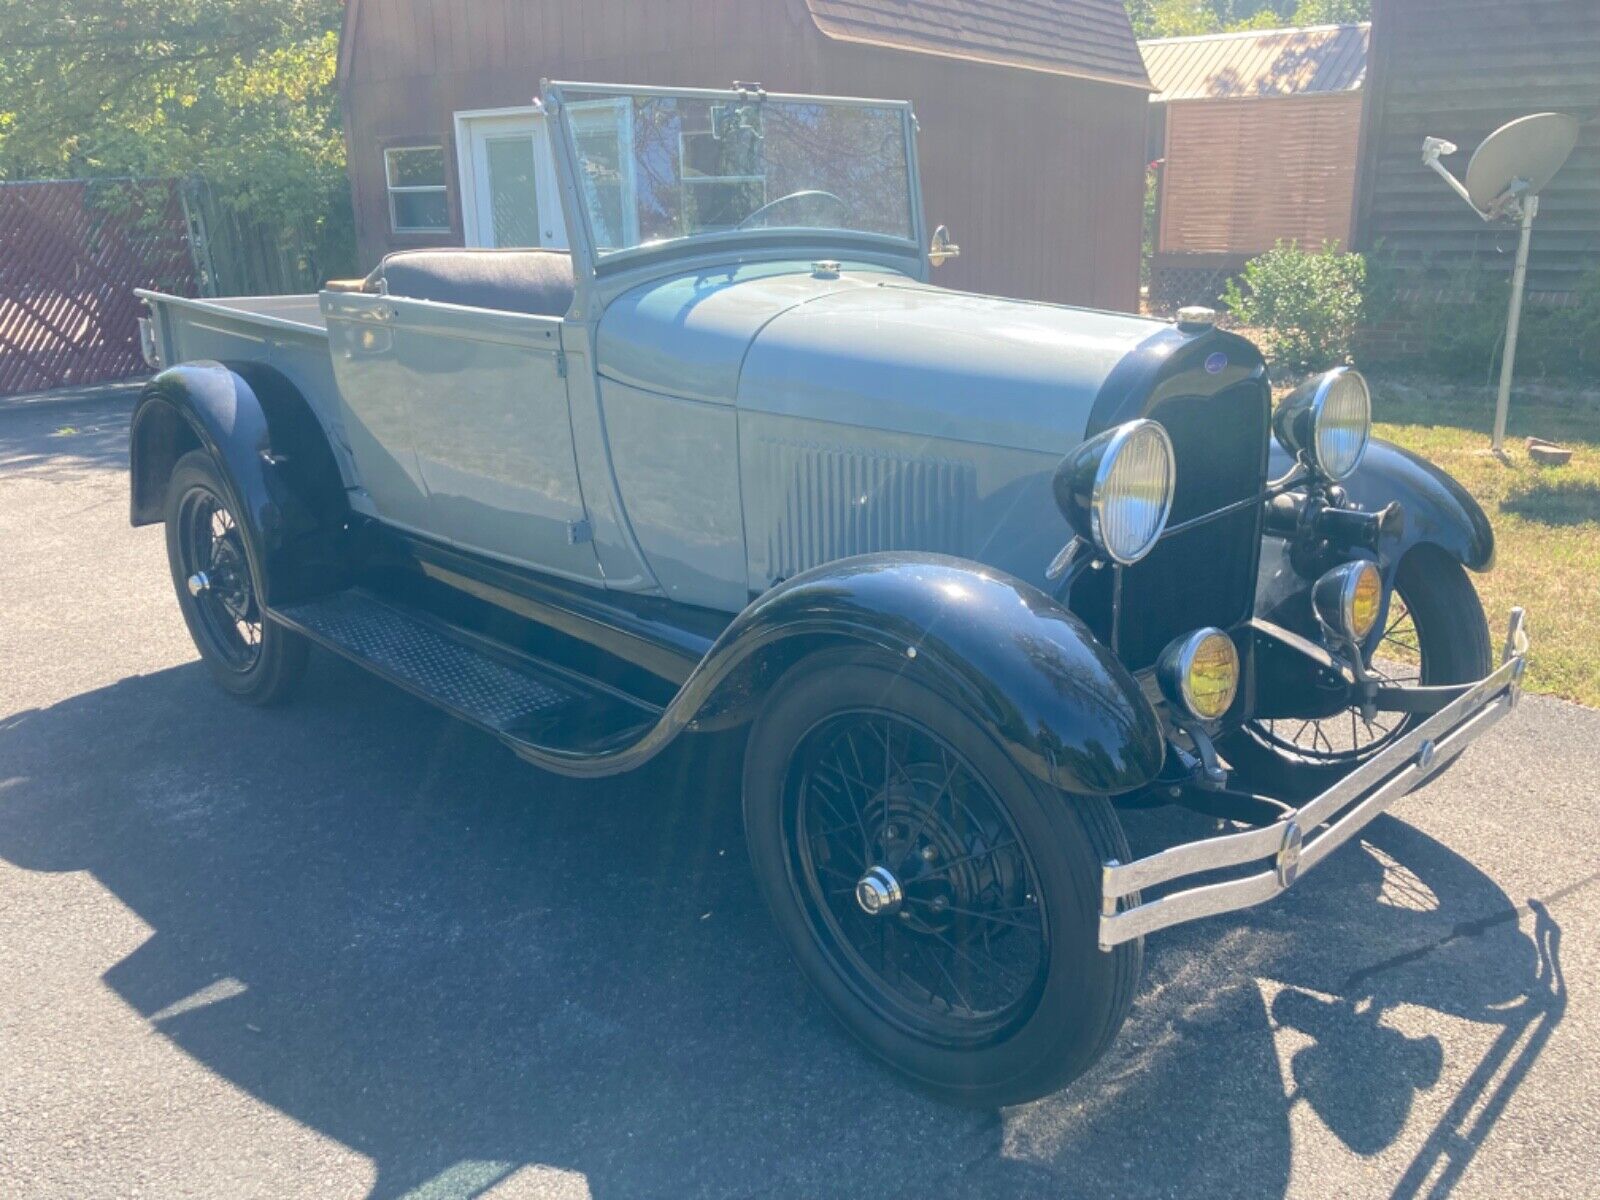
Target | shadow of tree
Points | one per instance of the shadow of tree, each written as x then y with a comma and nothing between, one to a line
379,922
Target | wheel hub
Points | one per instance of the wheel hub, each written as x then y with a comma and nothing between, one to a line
878,892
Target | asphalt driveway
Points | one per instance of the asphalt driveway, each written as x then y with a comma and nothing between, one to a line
349,947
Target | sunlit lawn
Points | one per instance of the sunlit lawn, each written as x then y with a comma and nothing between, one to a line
1546,519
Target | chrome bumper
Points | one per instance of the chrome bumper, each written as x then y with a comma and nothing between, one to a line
1304,838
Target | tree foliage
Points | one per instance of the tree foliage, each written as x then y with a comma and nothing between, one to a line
1183,18
238,91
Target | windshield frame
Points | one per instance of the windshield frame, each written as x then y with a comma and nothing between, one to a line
800,239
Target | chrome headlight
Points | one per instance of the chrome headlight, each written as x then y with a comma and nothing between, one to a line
1116,489
1329,420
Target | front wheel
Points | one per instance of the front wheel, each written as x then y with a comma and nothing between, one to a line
219,591
942,902
1434,633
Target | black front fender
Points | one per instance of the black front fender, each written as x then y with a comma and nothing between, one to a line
1062,704
273,453
1438,512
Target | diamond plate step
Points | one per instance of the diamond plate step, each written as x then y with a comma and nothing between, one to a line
524,700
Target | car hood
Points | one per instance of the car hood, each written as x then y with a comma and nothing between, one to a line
871,348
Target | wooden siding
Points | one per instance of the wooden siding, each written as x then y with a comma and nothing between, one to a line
1243,174
1039,176
1459,69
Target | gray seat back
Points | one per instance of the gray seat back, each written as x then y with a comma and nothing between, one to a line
538,282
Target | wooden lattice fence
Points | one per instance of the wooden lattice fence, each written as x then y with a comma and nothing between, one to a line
71,253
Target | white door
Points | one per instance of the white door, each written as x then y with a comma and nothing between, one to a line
508,184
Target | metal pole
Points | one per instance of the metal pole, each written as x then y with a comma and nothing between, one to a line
1530,209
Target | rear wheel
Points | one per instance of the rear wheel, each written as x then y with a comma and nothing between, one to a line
942,902
219,591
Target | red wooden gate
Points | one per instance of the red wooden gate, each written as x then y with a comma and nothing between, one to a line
71,253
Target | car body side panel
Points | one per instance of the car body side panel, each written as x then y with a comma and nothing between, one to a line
815,491
677,471
479,400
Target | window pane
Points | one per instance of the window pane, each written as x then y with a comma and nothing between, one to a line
420,210
416,166
659,166
513,199
600,157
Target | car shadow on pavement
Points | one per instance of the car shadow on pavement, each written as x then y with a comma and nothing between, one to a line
381,923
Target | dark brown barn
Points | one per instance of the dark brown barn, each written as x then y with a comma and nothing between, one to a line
1458,69
1032,115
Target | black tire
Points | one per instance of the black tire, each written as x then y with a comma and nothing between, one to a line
1077,996
253,659
1451,640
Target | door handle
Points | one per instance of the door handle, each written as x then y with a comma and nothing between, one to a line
382,312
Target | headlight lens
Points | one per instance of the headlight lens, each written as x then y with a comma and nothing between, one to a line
1329,420
1199,673
1348,599
1133,492
1366,597
1343,425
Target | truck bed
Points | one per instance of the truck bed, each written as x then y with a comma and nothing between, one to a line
285,332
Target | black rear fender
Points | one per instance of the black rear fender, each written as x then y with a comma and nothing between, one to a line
274,455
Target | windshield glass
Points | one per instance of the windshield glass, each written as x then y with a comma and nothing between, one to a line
654,167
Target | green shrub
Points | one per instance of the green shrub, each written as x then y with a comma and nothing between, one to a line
1305,304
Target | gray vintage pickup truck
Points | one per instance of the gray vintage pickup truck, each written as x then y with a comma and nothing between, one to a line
975,574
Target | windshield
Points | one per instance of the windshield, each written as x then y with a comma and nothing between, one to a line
655,166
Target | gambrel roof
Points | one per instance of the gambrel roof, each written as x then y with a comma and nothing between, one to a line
1091,39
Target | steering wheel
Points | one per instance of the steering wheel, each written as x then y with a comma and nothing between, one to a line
792,197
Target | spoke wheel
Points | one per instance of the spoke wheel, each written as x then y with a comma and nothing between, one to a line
914,879
216,573
943,901
219,591
1434,633
1349,737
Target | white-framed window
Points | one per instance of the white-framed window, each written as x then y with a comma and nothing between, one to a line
418,202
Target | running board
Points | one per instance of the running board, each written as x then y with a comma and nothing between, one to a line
545,713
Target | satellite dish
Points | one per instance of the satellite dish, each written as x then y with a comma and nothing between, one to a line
1507,173
1530,149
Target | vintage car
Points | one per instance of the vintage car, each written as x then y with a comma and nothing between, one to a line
975,574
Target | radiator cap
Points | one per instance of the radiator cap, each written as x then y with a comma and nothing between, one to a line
1194,317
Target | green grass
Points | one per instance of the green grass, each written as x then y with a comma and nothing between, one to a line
1546,519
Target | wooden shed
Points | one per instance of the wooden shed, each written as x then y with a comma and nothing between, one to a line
1257,134
1031,111
1459,69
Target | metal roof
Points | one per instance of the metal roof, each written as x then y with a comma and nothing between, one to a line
1090,39
1267,62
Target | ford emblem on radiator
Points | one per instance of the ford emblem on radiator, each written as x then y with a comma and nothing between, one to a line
1215,362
